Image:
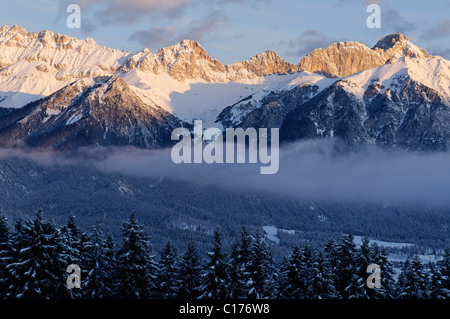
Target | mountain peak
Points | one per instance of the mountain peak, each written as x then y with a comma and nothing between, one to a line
261,64
341,59
184,47
390,41
346,58
397,45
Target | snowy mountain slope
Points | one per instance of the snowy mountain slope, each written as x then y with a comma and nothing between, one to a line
402,104
247,111
198,99
394,94
345,58
188,60
433,72
88,113
34,65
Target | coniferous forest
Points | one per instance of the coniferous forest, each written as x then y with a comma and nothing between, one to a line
35,255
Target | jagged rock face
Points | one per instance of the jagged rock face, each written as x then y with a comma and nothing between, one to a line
261,64
270,111
346,58
393,95
188,60
105,113
332,113
64,56
391,44
413,117
341,59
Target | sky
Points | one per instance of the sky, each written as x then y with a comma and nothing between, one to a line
235,30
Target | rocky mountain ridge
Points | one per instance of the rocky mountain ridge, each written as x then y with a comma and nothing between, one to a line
60,92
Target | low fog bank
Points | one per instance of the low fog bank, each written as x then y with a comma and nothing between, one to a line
307,170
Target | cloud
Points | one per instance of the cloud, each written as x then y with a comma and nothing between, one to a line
308,170
438,50
127,11
201,28
393,22
439,30
156,36
307,42
197,30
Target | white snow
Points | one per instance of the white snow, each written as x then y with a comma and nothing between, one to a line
358,241
198,99
75,117
272,233
432,72
36,65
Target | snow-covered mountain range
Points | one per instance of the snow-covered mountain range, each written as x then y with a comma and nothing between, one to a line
60,92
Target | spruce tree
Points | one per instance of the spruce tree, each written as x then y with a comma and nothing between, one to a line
262,271
387,289
347,269
96,283
244,262
136,269
189,273
38,268
322,284
358,288
76,243
167,275
291,283
331,258
214,278
443,266
413,280
73,239
236,285
5,255
435,287
111,256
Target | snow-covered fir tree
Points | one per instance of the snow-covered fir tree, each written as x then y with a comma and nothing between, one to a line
189,273
73,239
240,280
136,269
262,271
331,257
347,280
38,267
214,278
76,243
358,288
5,255
111,256
443,266
435,287
322,285
97,282
387,289
291,283
236,284
167,283
413,280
